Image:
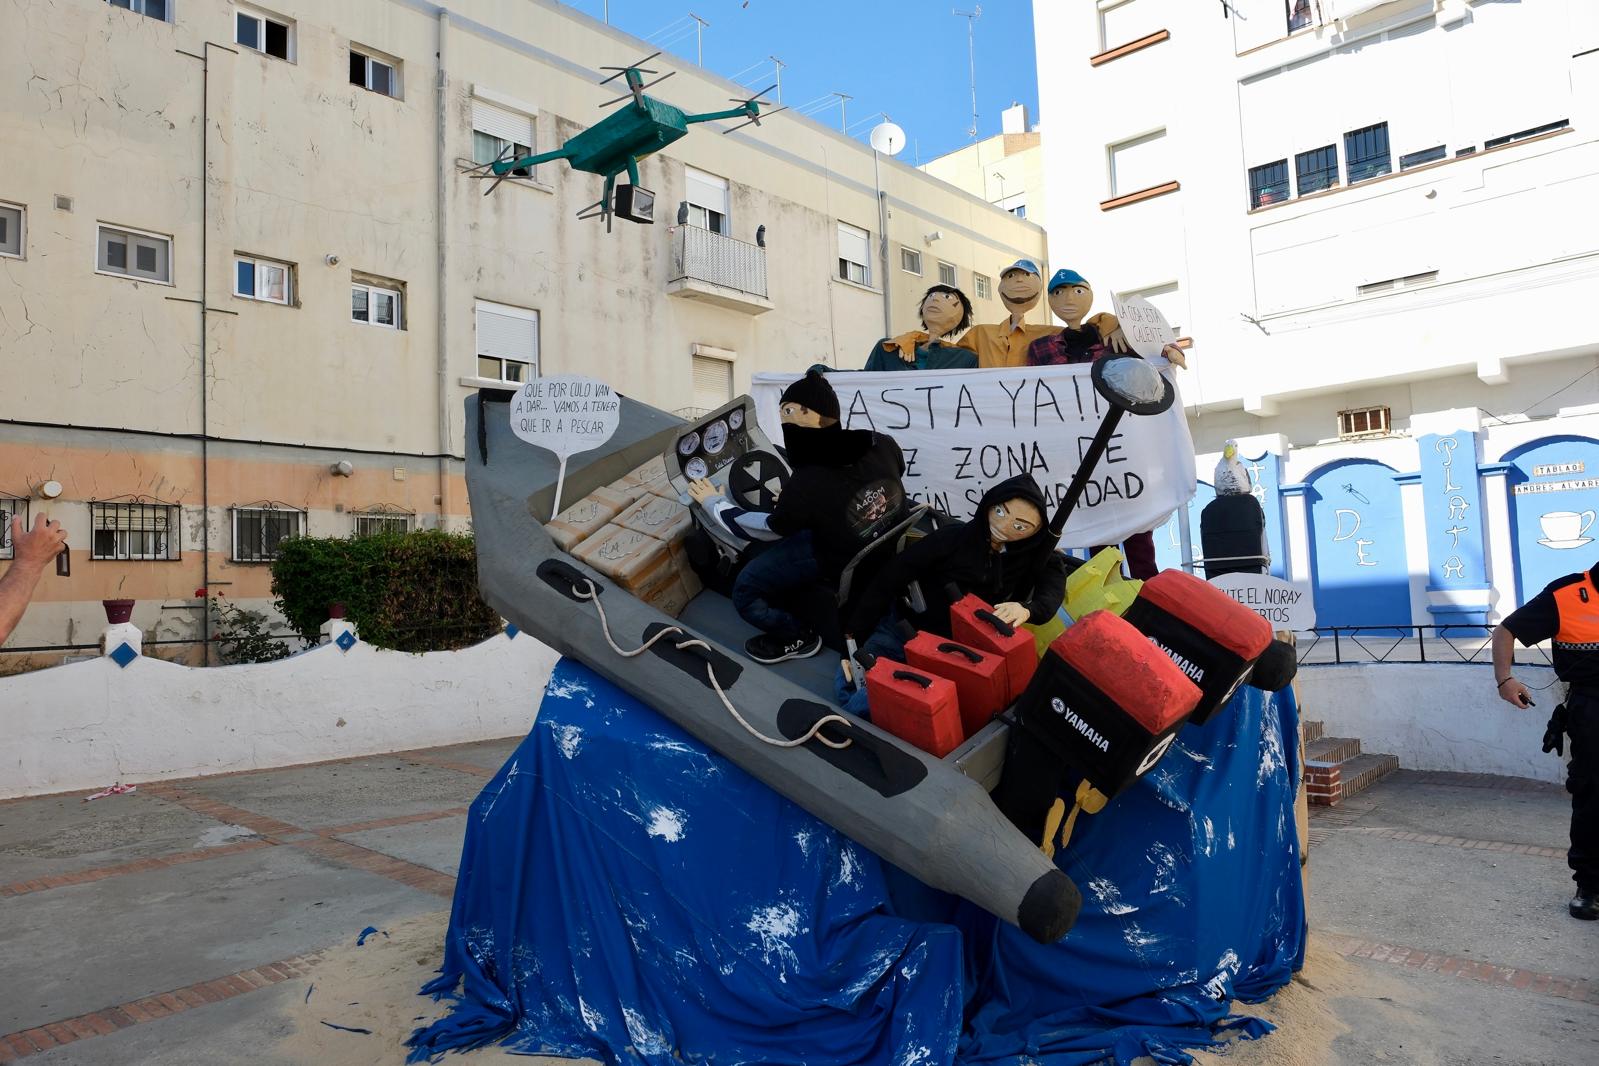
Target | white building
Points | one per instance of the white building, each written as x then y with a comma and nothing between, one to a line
1375,220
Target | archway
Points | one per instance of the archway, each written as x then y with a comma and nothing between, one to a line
1554,494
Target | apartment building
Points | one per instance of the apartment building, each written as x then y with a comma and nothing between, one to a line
1374,220
1007,169
248,274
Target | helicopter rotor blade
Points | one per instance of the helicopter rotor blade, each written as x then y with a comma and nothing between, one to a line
635,66
641,88
756,120
752,99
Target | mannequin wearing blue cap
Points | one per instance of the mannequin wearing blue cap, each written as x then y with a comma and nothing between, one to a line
1070,297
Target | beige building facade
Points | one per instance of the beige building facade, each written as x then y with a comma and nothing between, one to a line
1007,170
248,277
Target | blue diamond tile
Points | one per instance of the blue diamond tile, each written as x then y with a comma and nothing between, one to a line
511,631
124,654
346,640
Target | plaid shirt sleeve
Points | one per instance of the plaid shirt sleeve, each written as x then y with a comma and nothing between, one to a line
1047,351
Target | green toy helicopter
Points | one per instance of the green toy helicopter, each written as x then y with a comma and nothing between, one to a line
618,142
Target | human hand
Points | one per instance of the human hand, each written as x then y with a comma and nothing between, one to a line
1174,355
34,550
702,489
1012,614
1515,693
1116,341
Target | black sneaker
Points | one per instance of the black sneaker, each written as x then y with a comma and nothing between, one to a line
770,648
1585,905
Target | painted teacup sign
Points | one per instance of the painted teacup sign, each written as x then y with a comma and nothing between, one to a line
1146,328
1282,603
566,414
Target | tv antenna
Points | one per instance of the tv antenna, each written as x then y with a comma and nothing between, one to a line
971,18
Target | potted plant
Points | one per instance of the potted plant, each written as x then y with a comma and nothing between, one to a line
117,612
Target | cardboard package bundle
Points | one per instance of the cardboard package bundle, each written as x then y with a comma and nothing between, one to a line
580,521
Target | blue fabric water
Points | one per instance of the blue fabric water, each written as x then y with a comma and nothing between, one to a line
629,896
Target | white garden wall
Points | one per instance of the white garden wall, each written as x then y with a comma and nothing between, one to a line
89,724
1435,716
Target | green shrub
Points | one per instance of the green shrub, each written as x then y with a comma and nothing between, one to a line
407,591
243,636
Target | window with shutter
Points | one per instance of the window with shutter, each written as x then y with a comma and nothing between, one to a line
499,132
707,200
713,382
854,254
507,342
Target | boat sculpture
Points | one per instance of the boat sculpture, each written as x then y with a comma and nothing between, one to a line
931,817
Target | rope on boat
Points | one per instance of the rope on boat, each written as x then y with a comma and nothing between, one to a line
592,595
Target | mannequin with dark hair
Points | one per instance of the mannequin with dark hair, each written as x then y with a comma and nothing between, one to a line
944,312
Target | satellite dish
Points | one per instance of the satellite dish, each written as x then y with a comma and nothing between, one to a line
888,138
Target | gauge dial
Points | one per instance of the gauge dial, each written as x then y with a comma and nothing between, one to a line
696,469
688,444
715,437
735,418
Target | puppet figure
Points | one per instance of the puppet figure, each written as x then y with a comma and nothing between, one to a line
944,311
1005,343
845,492
1004,555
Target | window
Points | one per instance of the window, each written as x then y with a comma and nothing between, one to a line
134,531
379,75
1316,169
507,342
135,255
1365,422
1020,210
376,305
268,34
259,530
1298,14
156,9
10,230
1548,127
910,261
10,507
707,201
376,521
713,382
853,254
261,279
501,133
980,285
1428,155
1140,163
1126,21
1268,183
947,275
1366,151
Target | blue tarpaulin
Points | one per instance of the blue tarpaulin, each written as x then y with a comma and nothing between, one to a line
627,895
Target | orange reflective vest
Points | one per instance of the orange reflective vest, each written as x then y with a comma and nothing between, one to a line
1576,640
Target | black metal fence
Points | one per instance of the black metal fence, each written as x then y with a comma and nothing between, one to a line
1457,643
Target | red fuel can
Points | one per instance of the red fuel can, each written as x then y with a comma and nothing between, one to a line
974,623
980,678
918,707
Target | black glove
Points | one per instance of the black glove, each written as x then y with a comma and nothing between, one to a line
1554,734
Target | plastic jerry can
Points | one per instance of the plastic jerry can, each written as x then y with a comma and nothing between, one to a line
918,707
980,678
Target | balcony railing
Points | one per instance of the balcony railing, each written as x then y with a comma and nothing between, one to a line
712,260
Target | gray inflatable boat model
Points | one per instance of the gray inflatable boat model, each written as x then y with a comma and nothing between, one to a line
931,817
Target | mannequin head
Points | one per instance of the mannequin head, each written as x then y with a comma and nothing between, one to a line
1020,286
944,310
1014,519
1070,297
809,402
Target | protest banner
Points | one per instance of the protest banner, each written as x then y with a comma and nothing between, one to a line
964,431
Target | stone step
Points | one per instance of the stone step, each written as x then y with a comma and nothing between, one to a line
1313,730
1331,749
1329,783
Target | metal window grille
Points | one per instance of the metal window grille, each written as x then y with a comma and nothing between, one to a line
1548,127
1363,422
380,520
1316,169
1268,183
1426,155
1366,149
259,531
980,285
134,531
10,507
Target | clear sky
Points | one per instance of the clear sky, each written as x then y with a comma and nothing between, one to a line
904,57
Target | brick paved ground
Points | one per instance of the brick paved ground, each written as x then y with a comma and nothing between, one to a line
154,927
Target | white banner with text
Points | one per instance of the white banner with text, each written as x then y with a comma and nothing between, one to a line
964,431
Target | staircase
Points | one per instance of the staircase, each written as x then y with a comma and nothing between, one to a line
1336,768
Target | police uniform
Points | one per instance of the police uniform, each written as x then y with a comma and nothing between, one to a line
1567,614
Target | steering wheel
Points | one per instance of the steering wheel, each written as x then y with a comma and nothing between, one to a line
756,479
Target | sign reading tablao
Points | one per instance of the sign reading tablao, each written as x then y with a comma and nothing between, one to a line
1282,603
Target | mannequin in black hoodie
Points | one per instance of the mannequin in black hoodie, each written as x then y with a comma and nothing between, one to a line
1004,555
843,493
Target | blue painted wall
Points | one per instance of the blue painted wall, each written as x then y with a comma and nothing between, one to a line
1357,545
1455,525
1554,493
1168,542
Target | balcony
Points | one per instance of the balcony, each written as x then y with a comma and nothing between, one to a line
719,270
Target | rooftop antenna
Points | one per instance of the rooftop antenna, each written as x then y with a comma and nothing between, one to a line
699,39
779,64
971,18
843,99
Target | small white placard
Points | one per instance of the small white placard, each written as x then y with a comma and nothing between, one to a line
567,414
1282,603
1146,328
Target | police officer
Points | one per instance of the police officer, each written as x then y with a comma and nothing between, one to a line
1566,613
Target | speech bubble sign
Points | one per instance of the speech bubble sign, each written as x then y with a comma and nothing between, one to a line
1282,603
566,414
1146,328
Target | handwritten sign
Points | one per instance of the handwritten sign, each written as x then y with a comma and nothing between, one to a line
566,414
1282,603
964,431
1146,328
